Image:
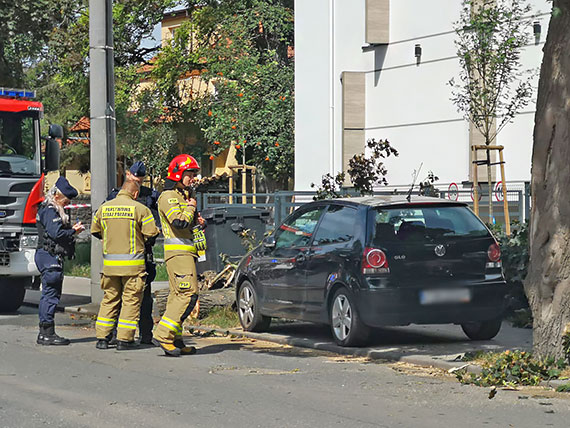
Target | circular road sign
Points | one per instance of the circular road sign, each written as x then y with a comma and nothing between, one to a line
453,192
499,191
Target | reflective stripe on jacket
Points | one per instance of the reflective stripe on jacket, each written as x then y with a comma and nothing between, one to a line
173,206
124,225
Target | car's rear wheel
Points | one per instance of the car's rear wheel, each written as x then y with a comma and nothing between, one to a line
483,330
12,292
250,317
346,327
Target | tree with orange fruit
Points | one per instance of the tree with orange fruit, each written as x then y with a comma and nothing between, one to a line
243,48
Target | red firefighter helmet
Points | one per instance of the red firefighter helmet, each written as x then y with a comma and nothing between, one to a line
180,164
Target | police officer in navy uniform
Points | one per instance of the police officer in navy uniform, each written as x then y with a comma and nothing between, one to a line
148,197
56,241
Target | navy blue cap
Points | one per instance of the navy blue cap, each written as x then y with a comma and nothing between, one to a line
64,187
138,169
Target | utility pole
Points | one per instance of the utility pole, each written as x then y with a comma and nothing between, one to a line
102,103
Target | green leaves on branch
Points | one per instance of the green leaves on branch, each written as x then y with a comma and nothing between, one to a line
511,368
492,87
365,171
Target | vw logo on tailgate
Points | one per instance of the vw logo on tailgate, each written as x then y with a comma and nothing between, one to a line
440,250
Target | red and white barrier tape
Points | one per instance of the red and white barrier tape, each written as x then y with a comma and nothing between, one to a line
77,206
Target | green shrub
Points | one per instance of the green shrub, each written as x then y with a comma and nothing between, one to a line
512,368
514,256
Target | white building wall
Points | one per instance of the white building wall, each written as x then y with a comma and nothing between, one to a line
407,104
313,89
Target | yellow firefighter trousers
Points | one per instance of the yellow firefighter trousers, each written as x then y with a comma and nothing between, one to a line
129,290
183,283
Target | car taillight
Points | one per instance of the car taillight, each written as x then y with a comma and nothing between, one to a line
34,199
374,261
494,256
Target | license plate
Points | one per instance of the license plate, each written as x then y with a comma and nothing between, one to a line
456,295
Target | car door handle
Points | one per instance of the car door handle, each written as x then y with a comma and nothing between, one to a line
300,259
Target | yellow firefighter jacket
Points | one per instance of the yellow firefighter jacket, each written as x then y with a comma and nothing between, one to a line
123,224
175,210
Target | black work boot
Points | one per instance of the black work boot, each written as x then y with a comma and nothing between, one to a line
112,338
106,342
146,339
168,348
126,346
102,344
48,336
184,349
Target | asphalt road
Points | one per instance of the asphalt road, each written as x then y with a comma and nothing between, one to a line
239,383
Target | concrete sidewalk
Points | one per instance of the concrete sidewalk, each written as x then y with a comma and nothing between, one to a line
76,295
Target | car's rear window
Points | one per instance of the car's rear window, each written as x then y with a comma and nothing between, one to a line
425,222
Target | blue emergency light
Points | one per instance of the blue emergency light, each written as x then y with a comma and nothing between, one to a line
20,93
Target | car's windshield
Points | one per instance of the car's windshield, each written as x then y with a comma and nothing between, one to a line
18,150
426,223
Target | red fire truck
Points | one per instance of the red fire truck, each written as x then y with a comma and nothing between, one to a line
25,158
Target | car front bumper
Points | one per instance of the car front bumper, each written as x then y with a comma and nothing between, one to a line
19,263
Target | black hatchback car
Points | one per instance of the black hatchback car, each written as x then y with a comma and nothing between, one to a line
360,263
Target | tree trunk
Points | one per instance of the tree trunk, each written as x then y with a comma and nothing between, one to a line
548,282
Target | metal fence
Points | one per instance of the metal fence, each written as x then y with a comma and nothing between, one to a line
281,203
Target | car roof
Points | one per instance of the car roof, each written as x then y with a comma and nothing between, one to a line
389,200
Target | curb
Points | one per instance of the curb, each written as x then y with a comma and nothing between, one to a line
419,360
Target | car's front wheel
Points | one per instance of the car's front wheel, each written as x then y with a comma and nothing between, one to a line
483,330
12,292
346,326
250,317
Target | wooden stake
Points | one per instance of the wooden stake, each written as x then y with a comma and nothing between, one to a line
231,185
253,187
505,202
244,185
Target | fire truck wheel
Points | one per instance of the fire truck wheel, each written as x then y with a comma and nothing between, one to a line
12,291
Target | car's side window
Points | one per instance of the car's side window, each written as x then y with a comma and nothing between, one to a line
298,231
337,226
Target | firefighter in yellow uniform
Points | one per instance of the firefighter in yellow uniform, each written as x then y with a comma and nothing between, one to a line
124,225
178,216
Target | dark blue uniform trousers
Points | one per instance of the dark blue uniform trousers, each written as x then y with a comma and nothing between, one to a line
146,322
51,270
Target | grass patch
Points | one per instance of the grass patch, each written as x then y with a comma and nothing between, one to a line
161,272
72,269
222,317
158,251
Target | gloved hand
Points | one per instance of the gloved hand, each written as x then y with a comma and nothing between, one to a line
199,239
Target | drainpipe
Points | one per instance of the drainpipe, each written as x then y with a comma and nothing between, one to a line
332,83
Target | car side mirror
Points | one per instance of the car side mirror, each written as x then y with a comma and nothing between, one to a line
55,131
268,242
51,155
